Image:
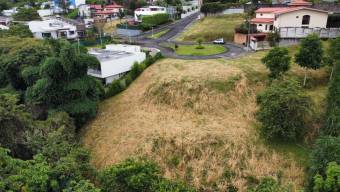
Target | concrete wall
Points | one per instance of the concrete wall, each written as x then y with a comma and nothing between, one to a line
294,19
291,32
233,11
128,32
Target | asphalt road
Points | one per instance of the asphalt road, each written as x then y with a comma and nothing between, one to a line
176,28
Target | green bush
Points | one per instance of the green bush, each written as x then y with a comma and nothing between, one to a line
130,176
326,150
283,110
330,182
277,61
120,85
154,20
268,184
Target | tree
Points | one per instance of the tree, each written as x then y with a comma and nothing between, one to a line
331,182
15,121
310,53
283,110
277,61
326,150
65,86
121,15
332,126
26,14
212,8
199,42
20,30
273,38
334,54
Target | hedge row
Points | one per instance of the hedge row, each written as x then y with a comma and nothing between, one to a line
121,84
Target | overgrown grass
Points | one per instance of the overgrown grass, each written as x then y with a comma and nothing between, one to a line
196,120
159,34
213,27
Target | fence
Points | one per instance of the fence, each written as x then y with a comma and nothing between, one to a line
298,32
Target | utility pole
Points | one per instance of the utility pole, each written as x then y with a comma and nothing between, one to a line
248,36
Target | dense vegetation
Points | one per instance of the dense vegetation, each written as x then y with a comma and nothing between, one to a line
284,110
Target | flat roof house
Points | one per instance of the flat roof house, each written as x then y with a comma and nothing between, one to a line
298,14
151,10
115,61
57,28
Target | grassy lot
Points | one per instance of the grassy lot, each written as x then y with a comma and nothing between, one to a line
159,34
196,120
213,27
192,50
110,27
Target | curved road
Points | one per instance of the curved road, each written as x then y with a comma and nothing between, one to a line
176,28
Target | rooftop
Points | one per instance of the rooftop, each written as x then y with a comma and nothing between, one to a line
282,10
48,25
105,55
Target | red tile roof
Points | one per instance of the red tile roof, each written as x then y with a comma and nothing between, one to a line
113,6
94,6
262,20
281,10
269,9
300,3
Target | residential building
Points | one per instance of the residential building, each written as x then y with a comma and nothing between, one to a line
5,21
109,11
115,61
57,28
151,10
9,12
297,15
72,3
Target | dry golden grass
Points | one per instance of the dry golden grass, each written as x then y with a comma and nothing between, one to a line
110,27
192,128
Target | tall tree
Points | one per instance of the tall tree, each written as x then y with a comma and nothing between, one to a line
283,110
277,61
310,53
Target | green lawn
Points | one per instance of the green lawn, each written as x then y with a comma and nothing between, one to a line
213,27
192,50
159,34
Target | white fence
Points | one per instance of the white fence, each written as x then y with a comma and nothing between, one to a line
297,32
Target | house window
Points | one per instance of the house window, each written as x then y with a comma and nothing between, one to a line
46,35
260,25
266,27
305,20
297,17
71,32
261,14
271,27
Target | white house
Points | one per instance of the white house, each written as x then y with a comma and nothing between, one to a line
56,28
5,21
151,10
73,3
9,12
115,61
297,15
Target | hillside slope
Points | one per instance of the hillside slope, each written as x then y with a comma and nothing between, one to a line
196,119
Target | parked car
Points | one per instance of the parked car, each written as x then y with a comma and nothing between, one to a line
219,41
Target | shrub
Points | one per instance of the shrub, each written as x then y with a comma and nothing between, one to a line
114,88
331,182
283,110
277,61
129,176
136,70
326,150
212,8
154,20
268,184
273,38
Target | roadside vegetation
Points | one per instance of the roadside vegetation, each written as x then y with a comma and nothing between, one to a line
213,27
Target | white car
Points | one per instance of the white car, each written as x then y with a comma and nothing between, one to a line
219,41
